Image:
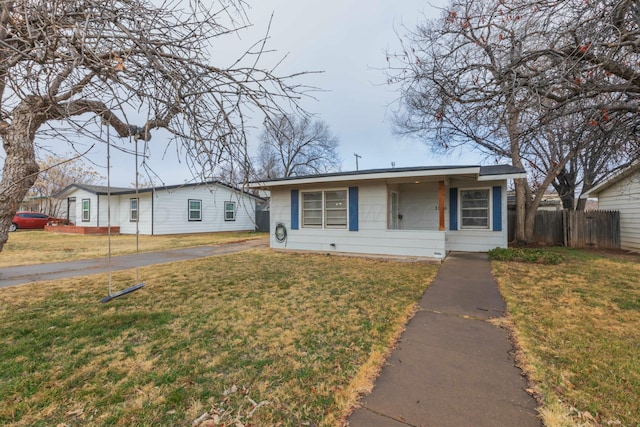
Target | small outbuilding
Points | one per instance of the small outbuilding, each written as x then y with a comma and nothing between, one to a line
414,211
176,209
622,193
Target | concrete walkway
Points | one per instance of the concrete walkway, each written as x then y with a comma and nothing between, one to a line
12,276
451,367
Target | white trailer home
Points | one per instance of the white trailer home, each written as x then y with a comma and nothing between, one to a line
416,211
176,209
622,193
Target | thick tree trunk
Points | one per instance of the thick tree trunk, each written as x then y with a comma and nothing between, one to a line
520,231
19,172
565,186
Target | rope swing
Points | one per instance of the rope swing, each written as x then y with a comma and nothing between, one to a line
111,295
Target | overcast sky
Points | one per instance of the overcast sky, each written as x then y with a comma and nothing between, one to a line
346,40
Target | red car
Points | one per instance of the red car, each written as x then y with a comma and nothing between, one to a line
30,220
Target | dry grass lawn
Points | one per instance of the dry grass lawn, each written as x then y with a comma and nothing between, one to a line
28,247
258,338
578,323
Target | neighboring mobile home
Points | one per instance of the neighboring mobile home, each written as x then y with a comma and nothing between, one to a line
176,209
415,211
622,193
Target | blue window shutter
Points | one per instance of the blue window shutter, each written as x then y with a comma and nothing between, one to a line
497,208
294,209
453,208
353,208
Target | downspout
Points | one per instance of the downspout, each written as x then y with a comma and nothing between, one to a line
153,196
441,226
97,211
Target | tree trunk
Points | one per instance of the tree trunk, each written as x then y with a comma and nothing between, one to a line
520,231
565,186
19,172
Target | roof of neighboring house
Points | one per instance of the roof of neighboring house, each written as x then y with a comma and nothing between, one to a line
623,174
103,190
484,173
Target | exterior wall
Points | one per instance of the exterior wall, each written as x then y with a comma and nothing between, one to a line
80,195
123,214
166,211
418,234
475,240
170,210
624,197
372,236
103,210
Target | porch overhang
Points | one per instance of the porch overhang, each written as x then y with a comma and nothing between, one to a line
437,173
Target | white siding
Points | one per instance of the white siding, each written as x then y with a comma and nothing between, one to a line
473,240
418,236
624,197
122,213
372,236
80,195
166,211
170,210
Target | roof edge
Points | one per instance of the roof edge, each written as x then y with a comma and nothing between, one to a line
611,181
484,173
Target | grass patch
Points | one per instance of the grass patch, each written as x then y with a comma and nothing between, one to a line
259,337
536,256
36,247
579,327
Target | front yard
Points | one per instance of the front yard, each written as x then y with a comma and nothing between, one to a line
578,323
28,247
265,338
257,338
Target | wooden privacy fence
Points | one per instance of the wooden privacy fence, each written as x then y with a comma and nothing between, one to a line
575,229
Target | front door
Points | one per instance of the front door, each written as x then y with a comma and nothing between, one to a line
71,210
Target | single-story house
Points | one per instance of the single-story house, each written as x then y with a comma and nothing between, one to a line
175,209
621,193
413,211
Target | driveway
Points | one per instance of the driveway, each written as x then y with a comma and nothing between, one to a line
11,276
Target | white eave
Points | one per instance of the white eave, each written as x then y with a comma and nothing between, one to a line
474,170
521,175
417,173
625,173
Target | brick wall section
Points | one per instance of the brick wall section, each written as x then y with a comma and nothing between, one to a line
74,229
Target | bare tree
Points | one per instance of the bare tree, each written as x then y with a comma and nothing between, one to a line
459,88
56,173
508,78
296,146
130,66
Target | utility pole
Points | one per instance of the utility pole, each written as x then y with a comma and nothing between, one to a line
357,157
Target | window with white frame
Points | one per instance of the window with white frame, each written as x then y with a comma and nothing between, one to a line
195,210
229,211
86,210
474,208
326,209
133,210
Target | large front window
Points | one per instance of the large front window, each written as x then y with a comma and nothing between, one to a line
326,209
474,208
